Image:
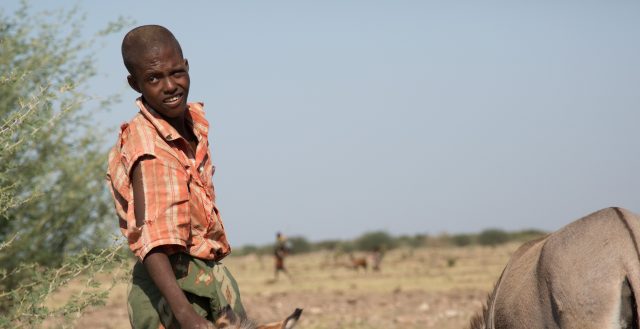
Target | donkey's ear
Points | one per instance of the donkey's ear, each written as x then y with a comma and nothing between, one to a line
291,321
226,317
288,323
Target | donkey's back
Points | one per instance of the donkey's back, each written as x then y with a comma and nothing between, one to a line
585,275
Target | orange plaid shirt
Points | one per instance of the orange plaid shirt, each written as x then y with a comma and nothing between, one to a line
180,209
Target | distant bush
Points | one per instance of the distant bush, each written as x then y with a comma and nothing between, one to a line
492,237
369,241
439,241
266,249
413,241
526,235
461,240
346,247
327,245
245,250
372,240
299,245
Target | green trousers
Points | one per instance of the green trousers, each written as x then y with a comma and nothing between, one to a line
208,285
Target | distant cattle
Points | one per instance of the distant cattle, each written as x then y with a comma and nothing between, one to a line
358,262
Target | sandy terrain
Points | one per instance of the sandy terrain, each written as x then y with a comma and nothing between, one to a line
422,288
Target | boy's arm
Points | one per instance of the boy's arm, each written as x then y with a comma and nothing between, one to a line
157,264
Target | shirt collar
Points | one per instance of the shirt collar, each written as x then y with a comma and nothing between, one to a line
194,116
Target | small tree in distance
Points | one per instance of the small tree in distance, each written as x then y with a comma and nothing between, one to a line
492,237
372,240
299,245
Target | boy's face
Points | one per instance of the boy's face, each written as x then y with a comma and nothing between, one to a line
161,75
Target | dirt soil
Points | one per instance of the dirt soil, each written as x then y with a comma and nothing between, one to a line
415,288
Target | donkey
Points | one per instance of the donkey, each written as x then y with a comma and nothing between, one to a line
226,319
585,275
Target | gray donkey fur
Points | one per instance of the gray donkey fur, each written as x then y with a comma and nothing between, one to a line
585,275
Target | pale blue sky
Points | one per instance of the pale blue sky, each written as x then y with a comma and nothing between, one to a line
333,118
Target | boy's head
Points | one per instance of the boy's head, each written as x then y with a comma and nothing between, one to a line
157,69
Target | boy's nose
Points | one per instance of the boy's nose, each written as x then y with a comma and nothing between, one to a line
169,85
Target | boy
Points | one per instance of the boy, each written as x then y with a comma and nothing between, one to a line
160,177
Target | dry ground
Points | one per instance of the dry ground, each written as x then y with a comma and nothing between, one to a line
422,288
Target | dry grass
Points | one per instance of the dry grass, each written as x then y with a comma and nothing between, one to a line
421,288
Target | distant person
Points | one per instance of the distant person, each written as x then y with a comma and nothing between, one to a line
280,251
160,177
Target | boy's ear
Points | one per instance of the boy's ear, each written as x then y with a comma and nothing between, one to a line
132,83
186,63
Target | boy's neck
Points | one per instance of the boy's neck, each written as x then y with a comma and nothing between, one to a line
179,123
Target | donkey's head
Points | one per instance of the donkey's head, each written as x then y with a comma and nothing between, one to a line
229,320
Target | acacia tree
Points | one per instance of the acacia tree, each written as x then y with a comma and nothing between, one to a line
53,201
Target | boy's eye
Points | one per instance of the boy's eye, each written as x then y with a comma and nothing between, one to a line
152,79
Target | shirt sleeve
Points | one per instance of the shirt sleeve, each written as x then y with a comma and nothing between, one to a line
166,206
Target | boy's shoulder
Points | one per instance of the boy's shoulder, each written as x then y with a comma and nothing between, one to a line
200,122
196,110
138,136
196,106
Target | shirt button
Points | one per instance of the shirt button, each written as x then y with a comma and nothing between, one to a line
201,169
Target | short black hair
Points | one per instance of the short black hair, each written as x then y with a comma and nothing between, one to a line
137,41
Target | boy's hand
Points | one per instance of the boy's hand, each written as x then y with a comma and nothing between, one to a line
195,321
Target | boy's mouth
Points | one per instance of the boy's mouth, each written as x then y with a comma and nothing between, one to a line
173,99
